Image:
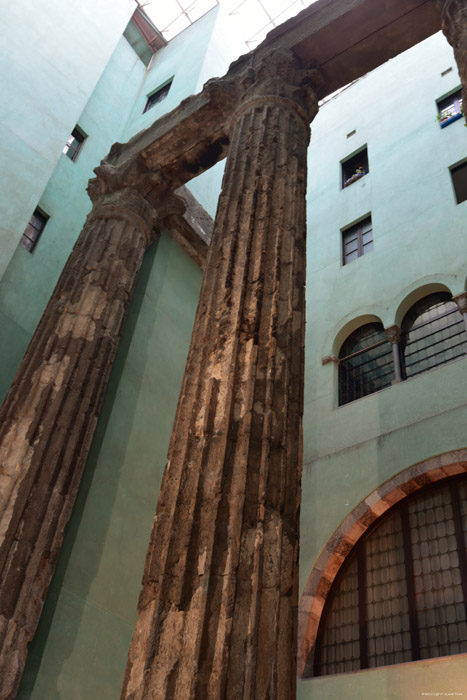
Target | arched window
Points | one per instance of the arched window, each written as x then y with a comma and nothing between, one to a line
365,363
402,596
433,333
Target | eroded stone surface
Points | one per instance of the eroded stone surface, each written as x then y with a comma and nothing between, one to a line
48,418
454,24
217,614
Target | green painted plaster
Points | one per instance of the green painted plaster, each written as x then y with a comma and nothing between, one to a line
82,642
419,680
51,64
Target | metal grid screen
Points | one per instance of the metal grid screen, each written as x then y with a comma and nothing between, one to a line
403,595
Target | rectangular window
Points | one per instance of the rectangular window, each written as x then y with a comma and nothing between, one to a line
357,240
459,181
33,230
157,96
450,108
74,143
355,167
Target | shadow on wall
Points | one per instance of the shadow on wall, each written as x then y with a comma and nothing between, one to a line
32,687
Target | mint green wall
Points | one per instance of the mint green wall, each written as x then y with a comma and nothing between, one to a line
202,51
81,646
29,279
419,240
52,59
434,678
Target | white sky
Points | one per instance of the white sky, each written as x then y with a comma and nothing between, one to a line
254,18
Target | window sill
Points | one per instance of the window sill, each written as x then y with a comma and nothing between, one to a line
452,119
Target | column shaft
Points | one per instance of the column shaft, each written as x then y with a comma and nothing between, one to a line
217,614
49,415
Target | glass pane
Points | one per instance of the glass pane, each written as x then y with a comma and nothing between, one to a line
437,576
340,650
433,334
366,363
388,624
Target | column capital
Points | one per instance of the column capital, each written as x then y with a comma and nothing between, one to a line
273,77
461,301
394,334
129,203
453,19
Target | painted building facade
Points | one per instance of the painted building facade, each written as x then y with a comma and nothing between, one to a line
354,454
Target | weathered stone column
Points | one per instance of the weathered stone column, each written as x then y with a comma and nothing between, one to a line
217,614
49,415
454,25
461,301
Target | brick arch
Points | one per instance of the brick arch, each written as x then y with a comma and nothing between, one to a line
342,541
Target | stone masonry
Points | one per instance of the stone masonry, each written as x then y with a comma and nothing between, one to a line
49,415
220,583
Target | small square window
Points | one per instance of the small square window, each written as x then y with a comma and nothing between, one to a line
33,230
450,108
459,180
157,96
355,167
74,143
357,240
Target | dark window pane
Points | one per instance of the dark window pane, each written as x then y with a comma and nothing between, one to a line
357,240
33,230
366,363
74,143
401,594
157,96
459,180
355,168
433,334
450,107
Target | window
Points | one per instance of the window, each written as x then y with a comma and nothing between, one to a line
357,240
365,363
459,181
450,108
355,167
157,96
33,230
74,143
402,595
433,333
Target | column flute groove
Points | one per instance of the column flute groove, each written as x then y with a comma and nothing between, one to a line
50,412
221,569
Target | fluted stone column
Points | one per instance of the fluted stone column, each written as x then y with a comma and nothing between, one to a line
454,25
49,415
217,614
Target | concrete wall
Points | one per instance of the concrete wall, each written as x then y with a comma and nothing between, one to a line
419,239
52,60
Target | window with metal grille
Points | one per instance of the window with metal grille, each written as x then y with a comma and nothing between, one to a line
433,333
357,240
33,230
450,108
74,143
403,594
365,363
157,96
355,167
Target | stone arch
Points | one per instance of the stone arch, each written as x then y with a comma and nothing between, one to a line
415,295
352,528
350,327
